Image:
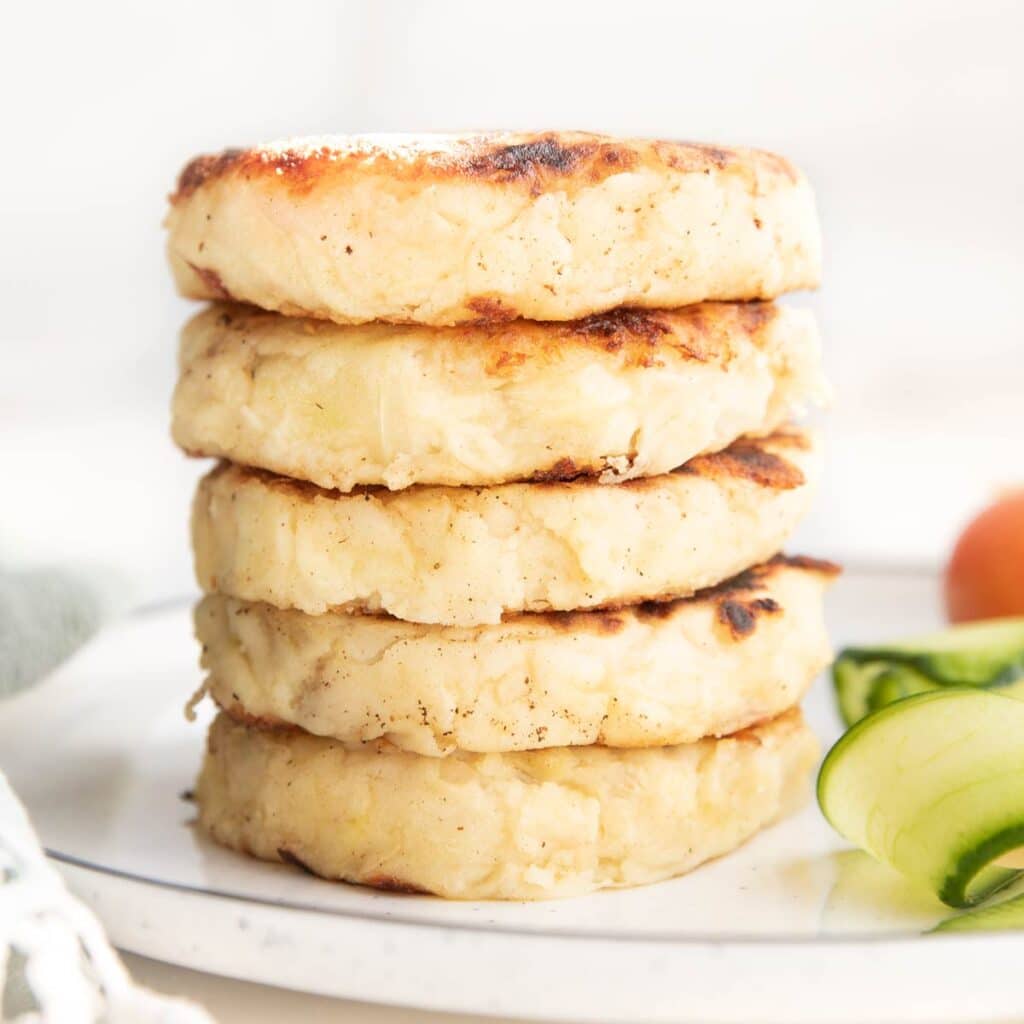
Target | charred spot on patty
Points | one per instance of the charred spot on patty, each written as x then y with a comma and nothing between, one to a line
748,459
561,471
740,617
599,620
659,610
620,326
524,159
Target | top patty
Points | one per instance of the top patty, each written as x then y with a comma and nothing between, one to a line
450,229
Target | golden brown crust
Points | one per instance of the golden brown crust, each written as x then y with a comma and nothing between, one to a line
749,459
705,332
639,337
819,565
239,713
534,161
739,601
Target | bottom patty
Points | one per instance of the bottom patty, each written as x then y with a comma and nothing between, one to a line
525,825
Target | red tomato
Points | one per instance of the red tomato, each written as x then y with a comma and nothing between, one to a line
985,576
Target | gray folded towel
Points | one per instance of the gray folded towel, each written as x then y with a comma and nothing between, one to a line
46,615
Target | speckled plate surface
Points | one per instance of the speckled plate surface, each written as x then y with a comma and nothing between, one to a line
791,928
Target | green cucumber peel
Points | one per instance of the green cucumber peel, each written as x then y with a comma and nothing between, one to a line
933,785
987,654
1007,915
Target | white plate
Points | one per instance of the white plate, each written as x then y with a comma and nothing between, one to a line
790,928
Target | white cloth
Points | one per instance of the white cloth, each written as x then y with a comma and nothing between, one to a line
56,966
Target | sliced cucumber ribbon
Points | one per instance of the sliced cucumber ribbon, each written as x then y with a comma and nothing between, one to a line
988,655
934,786
1007,915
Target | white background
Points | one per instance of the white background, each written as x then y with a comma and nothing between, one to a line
907,116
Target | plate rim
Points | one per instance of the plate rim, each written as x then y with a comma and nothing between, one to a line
601,979
658,938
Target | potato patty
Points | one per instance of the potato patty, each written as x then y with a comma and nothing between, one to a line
452,229
645,675
465,556
624,394
528,825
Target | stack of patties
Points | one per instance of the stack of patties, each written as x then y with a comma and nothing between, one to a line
494,606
